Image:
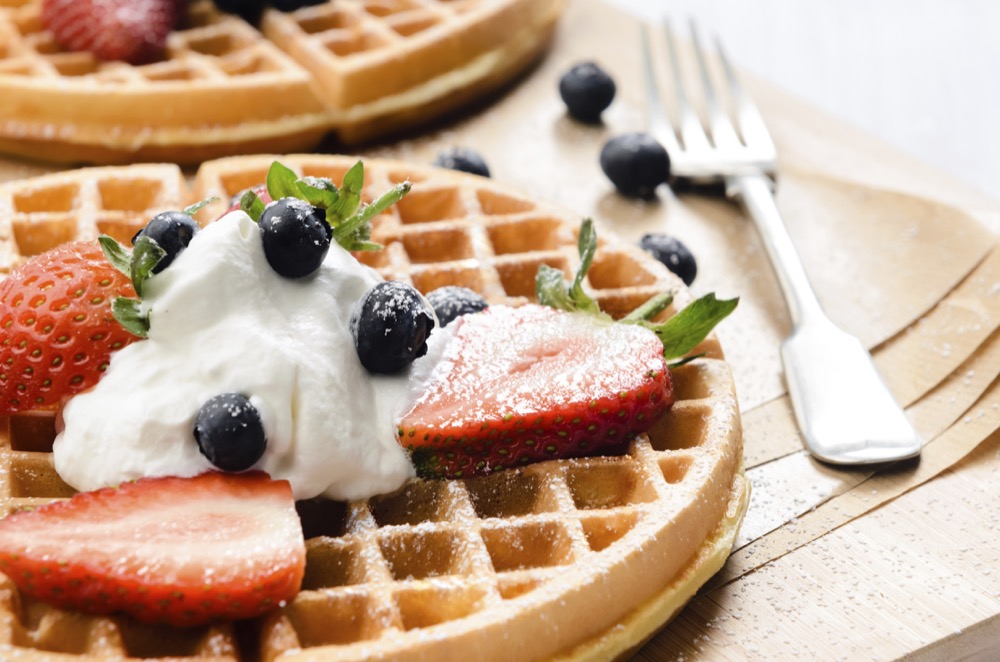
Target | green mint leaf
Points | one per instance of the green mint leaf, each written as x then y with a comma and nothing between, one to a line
682,332
129,314
252,205
357,229
550,289
319,191
146,255
282,182
383,202
350,196
191,210
647,311
119,256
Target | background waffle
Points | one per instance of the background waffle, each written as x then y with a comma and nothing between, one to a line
356,67
580,559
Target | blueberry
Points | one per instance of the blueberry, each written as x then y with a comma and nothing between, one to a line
296,237
390,325
229,432
173,231
672,253
463,159
636,164
587,90
248,10
450,302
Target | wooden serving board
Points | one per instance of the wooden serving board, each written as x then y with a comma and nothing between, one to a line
831,563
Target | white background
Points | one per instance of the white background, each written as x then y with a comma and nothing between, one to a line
922,75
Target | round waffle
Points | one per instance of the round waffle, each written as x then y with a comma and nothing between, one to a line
359,68
577,559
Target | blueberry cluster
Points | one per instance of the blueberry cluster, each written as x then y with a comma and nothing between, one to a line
251,10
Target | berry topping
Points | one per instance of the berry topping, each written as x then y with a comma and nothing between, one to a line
58,327
229,432
134,31
636,164
172,231
180,551
587,90
390,325
296,237
463,159
450,302
672,253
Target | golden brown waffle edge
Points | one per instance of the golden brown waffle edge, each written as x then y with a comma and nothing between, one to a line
578,558
359,68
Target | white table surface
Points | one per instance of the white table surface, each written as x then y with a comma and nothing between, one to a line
920,75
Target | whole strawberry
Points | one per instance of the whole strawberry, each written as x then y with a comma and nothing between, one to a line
58,329
133,31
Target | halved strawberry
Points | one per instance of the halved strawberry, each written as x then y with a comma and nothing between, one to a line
133,31
534,383
58,329
179,551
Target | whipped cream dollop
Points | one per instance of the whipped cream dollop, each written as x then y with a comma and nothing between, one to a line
221,320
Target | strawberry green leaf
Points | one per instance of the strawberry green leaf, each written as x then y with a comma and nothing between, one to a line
252,205
191,210
129,314
146,255
319,191
647,311
119,256
551,289
282,182
682,332
587,246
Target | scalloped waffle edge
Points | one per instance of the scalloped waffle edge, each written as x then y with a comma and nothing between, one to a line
358,68
573,559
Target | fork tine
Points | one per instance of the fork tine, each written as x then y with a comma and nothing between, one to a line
691,132
751,123
659,122
723,133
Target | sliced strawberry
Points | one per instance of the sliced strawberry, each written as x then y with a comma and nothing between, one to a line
134,31
58,329
180,551
533,383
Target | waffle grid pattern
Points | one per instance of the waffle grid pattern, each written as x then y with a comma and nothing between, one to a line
225,87
54,209
214,46
439,568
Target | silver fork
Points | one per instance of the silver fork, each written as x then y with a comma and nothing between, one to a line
844,410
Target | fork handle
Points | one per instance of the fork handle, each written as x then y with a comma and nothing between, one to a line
845,411
756,193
